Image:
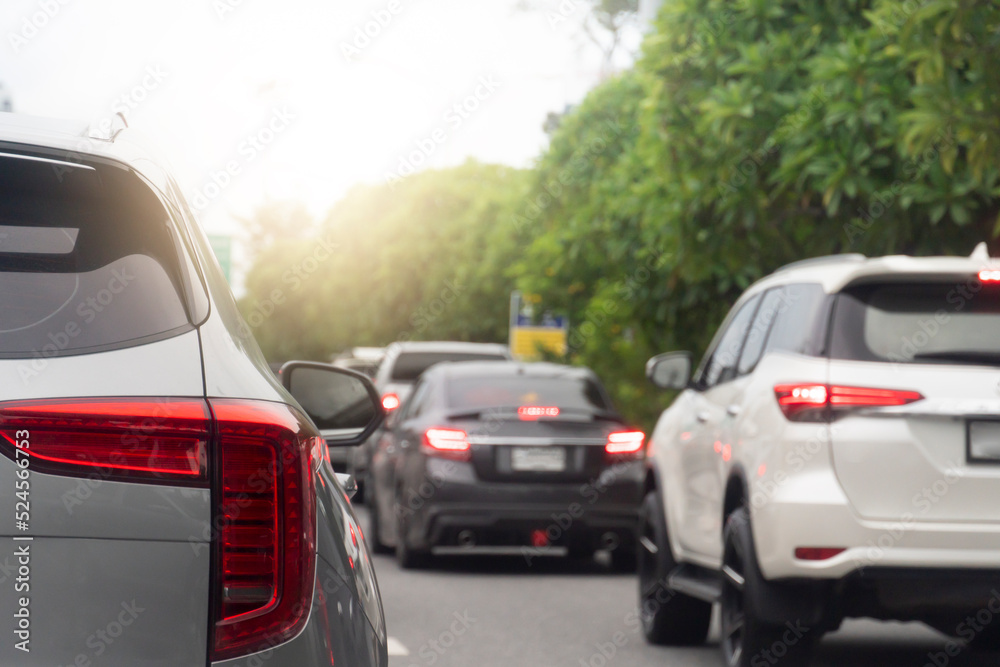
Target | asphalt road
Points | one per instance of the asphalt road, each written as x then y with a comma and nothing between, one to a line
493,612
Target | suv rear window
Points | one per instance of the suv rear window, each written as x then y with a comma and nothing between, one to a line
918,323
516,391
410,365
88,260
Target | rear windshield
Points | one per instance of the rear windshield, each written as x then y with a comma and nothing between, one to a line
88,260
954,322
410,365
512,392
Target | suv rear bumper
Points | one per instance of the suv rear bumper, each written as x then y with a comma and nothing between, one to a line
783,524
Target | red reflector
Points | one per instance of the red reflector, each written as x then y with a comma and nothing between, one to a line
818,553
140,440
799,401
625,442
539,538
266,526
390,402
532,412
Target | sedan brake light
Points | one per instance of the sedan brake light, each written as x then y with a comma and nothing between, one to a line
390,402
625,442
533,412
447,442
812,402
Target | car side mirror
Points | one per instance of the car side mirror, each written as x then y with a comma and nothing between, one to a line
343,404
670,371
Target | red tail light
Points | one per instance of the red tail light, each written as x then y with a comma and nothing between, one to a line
138,440
990,275
390,402
266,526
533,412
812,402
447,442
625,442
262,479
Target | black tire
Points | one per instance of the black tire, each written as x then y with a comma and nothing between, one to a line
747,640
668,618
408,557
374,536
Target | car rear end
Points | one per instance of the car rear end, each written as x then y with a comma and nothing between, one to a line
158,510
525,459
905,465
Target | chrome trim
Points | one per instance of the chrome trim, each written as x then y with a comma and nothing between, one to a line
61,163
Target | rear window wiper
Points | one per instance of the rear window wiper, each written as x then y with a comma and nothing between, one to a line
968,357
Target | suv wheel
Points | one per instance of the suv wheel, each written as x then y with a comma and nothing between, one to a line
746,639
668,618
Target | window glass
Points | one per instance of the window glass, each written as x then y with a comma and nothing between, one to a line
800,324
918,323
409,365
722,364
515,391
87,260
759,330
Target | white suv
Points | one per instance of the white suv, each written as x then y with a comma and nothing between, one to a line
836,454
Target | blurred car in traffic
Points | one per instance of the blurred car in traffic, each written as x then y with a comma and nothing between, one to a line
154,472
364,360
507,458
402,365
836,454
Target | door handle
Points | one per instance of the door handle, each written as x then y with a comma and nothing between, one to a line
703,416
734,410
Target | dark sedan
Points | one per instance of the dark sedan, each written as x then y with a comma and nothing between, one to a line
507,458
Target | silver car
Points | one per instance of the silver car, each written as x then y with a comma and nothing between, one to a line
164,498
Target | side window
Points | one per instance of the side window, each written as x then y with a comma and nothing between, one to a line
754,348
800,323
722,365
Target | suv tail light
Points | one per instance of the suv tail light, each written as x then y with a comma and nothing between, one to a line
449,443
264,559
817,402
625,442
134,440
265,523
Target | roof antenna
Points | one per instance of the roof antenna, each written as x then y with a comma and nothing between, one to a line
981,252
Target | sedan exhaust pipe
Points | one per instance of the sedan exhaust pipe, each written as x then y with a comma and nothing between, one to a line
467,539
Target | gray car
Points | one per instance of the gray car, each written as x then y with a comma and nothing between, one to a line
164,498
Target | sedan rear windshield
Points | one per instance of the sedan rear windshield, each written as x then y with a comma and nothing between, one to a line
952,322
88,260
410,365
476,393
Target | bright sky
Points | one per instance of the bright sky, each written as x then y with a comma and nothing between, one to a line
265,89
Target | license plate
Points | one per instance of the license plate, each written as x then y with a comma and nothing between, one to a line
538,459
984,441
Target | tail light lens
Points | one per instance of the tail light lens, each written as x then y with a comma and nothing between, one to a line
818,553
138,440
390,402
817,402
266,525
450,443
262,479
625,442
